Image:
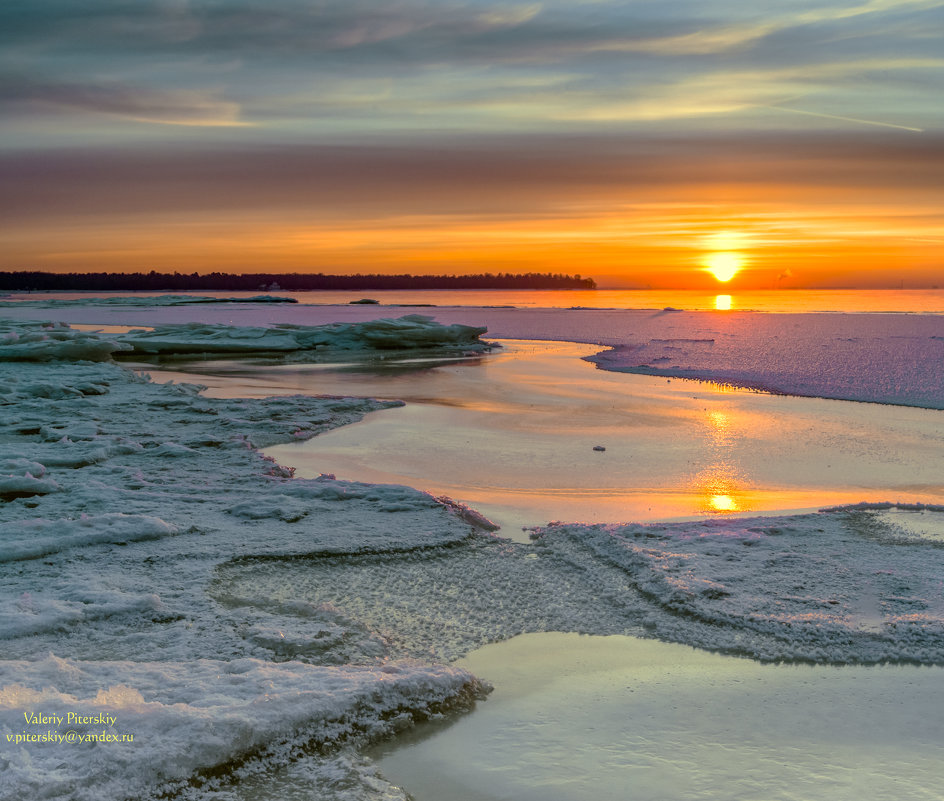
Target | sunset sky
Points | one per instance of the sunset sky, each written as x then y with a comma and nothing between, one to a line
787,143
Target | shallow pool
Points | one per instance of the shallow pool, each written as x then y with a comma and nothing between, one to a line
518,433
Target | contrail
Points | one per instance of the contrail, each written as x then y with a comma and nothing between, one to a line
847,119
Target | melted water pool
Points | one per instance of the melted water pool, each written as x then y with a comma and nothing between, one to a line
514,434
574,717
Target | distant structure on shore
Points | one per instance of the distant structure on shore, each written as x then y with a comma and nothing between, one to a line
292,282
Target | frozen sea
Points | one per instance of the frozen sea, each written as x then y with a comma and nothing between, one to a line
262,579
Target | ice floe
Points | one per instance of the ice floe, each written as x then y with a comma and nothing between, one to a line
43,341
409,332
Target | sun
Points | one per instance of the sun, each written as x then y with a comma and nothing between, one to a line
723,266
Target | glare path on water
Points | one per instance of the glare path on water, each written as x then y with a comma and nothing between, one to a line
517,434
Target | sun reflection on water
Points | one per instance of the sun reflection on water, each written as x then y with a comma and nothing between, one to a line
723,302
721,484
723,503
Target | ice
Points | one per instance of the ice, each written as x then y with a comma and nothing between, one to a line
154,487
43,341
876,357
235,619
146,301
405,333
39,342
574,717
31,539
172,724
836,587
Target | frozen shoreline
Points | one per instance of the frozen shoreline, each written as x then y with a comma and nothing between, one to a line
193,548
880,358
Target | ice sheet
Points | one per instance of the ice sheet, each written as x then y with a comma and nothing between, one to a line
120,498
884,358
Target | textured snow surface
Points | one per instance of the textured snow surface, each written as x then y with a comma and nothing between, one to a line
185,719
154,563
836,587
405,333
121,497
43,341
40,342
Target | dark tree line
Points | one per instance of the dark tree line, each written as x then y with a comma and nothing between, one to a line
253,282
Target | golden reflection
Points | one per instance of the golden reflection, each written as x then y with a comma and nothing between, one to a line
719,428
721,490
723,302
720,484
723,503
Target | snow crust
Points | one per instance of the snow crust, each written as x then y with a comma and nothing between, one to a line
405,333
121,497
156,567
39,342
840,587
185,720
32,341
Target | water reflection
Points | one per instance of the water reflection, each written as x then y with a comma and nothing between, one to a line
721,489
721,484
514,436
723,302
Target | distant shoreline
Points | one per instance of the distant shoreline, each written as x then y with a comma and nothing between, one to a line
37,281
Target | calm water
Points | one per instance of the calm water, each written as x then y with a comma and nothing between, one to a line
513,435
785,300
575,718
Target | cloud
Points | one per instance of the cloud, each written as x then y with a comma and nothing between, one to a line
142,104
730,91
496,175
343,66
720,38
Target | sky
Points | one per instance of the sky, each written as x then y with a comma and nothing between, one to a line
669,144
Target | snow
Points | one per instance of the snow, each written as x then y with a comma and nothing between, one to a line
158,569
840,587
44,341
877,357
171,724
31,539
124,496
408,332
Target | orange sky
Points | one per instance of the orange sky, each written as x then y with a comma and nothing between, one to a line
634,143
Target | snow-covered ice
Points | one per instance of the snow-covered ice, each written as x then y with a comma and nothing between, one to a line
121,497
882,358
158,569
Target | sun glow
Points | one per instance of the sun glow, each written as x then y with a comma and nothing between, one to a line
724,266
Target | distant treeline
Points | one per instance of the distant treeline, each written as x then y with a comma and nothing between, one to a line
252,282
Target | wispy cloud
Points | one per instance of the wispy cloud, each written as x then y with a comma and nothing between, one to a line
726,92
722,38
202,108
